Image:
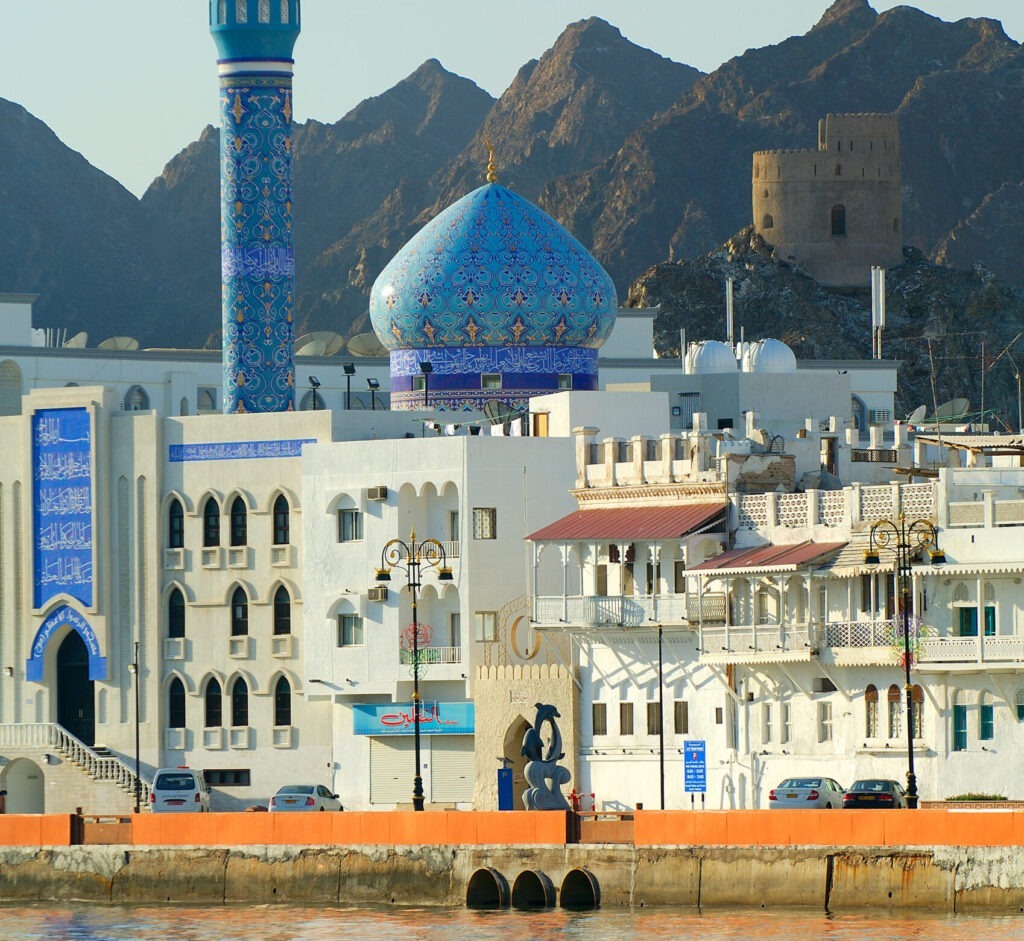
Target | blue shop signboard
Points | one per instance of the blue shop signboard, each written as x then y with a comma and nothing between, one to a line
62,504
400,718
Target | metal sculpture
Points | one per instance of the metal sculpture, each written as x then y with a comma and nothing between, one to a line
543,773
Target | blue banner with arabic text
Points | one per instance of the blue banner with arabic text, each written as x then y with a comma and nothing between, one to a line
400,718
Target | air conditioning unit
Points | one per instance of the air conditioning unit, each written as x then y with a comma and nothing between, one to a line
377,493
377,593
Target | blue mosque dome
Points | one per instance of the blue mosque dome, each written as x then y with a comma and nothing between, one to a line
498,300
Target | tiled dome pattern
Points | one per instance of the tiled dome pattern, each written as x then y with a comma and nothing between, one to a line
492,270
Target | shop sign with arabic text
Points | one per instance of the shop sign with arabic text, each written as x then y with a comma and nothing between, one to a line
400,718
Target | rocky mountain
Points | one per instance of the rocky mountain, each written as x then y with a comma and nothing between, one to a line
956,331
644,159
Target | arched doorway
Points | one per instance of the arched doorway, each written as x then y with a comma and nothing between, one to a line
513,752
76,702
23,781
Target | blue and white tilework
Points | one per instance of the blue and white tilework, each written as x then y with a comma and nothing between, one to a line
257,259
492,285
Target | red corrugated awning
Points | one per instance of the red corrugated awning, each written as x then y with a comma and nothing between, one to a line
642,522
770,557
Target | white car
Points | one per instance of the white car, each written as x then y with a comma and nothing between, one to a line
179,790
304,797
809,793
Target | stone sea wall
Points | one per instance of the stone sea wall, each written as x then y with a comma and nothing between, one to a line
940,879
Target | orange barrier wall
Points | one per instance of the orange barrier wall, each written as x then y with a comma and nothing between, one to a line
436,828
35,829
829,828
843,828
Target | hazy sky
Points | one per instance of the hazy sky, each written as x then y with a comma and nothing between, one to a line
130,83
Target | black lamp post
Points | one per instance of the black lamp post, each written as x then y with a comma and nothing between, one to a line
426,367
350,371
413,557
903,538
373,385
314,384
133,668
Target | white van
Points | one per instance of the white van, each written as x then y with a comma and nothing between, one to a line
179,790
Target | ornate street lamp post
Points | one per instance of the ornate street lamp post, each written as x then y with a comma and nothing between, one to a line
904,539
413,558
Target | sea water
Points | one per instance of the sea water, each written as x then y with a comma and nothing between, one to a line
297,923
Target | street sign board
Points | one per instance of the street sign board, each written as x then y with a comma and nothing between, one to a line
695,768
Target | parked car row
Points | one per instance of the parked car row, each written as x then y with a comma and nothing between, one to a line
184,790
825,793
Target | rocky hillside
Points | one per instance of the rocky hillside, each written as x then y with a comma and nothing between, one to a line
644,159
947,325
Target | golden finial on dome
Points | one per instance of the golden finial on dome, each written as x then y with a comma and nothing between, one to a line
492,170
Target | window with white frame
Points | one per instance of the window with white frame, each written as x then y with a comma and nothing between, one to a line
455,629
824,722
350,630
486,625
785,729
350,525
599,717
485,522
766,723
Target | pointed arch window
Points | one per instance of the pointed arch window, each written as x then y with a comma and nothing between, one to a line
284,12
282,521
176,613
263,11
239,522
211,523
283,702
241,11
282,611
136,400
239,703
871,712
895,711
917,712
239,613
214,705
175,525
176,704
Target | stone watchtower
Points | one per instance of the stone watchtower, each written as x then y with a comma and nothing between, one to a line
255,39
834,211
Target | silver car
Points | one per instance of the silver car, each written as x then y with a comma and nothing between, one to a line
304,797
800,793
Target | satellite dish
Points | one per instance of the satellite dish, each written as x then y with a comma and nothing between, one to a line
366,344
319,343
77,342
124,344
497,412
917,414
309,346
952,410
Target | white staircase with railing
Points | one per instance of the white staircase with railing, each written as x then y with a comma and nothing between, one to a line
36,739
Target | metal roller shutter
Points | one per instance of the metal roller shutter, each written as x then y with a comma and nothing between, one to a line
452,768
391,770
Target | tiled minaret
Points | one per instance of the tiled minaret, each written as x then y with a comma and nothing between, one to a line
255,39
